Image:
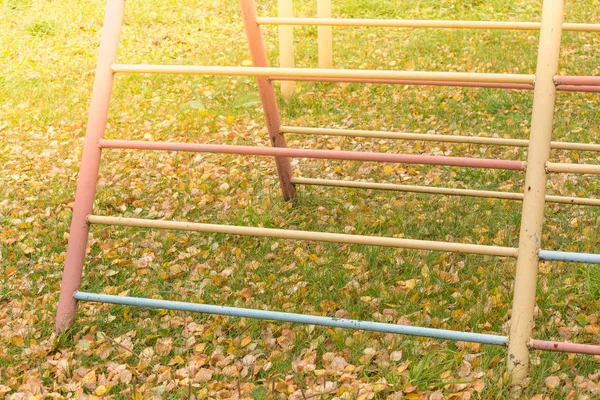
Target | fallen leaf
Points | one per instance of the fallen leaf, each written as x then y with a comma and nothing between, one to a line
552,382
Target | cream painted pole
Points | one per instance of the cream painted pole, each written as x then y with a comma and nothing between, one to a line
286,47
532,216
325,35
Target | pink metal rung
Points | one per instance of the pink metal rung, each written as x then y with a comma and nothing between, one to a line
576,88
308,153
564,347
492,85
577,80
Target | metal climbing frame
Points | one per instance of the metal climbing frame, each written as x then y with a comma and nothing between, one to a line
545,83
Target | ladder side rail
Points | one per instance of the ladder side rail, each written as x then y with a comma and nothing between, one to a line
90,164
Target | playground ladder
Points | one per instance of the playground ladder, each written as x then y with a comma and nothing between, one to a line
545,83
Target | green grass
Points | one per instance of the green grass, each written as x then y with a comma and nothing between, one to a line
46,85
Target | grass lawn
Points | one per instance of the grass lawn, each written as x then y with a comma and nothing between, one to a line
48,52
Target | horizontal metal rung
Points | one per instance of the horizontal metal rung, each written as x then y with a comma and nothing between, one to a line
587,258
416,23
473,84
440,190
578,88
324,73
307,235
427,137
573,168
577,80
291,317
564,347
322,154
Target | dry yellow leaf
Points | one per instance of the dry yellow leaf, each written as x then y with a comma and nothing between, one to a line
199,348
176,360
445,374
89,378
101,390
245,341
18,340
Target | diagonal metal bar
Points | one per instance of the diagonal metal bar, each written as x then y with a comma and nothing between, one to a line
268,98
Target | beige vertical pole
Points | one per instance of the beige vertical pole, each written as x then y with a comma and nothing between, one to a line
325,36
535,189
286,47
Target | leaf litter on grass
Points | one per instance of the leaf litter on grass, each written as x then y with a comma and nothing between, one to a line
121,352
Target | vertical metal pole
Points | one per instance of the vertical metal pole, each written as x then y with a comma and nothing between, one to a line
535,189
286,47
90,164
324,35
267,96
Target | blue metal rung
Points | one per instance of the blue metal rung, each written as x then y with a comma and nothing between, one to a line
567,256
290,317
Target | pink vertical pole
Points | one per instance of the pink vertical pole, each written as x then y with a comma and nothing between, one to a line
267,96
90,163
